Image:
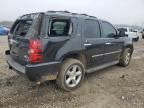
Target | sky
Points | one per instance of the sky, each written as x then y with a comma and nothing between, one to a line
114,11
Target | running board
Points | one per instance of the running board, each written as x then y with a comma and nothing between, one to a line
101,67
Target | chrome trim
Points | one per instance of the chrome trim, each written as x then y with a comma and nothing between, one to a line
106,54
87,44
108,43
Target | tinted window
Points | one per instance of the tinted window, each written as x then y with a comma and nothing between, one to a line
92,29
60,27
108,30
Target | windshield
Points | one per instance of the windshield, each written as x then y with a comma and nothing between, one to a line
25,24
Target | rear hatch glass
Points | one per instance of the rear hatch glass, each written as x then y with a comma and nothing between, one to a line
23,27
26,25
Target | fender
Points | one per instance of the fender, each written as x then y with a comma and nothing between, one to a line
128,43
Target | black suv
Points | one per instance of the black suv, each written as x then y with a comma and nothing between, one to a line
63,46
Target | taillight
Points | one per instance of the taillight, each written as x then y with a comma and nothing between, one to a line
35,51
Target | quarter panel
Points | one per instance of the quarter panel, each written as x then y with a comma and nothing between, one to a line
73,45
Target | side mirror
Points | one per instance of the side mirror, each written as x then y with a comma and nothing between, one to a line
122,34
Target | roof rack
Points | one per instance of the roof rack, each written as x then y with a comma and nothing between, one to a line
88,15
59,11
67,12
74,13
84,14
93,16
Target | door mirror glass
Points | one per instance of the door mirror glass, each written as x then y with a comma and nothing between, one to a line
122,34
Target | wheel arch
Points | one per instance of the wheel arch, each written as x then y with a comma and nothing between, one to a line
79,56
129,46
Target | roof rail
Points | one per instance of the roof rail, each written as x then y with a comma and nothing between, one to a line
93,16
88,15
59,11
70,13
84,14
75,14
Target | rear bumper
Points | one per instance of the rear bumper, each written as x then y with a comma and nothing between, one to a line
36,72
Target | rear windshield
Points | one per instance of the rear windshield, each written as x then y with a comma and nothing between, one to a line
25,25
122,29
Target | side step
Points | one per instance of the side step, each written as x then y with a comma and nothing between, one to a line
101,67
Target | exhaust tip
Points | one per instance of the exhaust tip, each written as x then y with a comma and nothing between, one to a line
10,67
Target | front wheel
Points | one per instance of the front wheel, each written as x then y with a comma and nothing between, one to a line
125,57
71,75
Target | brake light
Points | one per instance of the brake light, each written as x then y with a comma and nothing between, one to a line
35,51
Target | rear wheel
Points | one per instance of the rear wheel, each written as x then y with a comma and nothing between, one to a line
137,39
125,57
71,75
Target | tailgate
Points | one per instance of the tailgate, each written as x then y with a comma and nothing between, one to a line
24,28
19,49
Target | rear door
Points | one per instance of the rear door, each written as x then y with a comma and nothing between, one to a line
113,43
59,37
93,43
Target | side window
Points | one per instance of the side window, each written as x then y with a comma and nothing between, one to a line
92,29
108,30
60,27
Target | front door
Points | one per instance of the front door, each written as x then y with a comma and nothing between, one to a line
113,44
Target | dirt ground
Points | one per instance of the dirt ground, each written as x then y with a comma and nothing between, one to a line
114,87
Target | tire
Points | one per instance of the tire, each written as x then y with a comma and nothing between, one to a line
125,57
137,39
71,75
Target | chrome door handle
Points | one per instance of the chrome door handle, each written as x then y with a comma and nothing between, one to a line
108,43
87,44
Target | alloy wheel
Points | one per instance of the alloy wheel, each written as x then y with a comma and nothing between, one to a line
73,76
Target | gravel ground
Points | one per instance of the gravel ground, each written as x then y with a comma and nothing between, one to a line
114,87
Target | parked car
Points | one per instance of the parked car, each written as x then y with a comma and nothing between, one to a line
130,33
143,33
63,46
4,30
